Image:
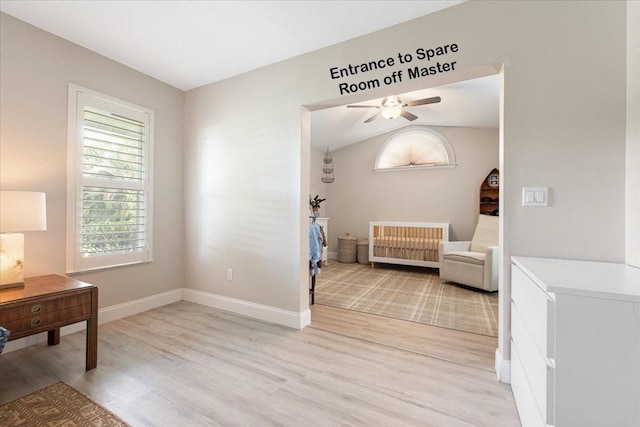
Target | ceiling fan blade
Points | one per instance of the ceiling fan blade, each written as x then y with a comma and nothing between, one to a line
407,115
362,106
372,118
432,100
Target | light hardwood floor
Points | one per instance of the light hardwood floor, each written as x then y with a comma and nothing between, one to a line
186,364
443,343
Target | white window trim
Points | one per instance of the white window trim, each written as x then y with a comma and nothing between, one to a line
447,146
80,96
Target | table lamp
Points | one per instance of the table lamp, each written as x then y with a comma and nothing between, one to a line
19,211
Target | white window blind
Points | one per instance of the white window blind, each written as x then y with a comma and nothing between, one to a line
110,149
417,149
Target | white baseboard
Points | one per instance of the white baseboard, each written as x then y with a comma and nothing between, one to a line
332,255
503,368
266,313
262,312
130,308
105,315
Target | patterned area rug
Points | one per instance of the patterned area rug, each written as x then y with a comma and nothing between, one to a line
407,293
56,405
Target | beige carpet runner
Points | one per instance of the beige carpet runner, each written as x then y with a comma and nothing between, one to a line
407,293
57,405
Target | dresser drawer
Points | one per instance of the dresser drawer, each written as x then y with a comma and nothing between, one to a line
537,310
525,401
538,370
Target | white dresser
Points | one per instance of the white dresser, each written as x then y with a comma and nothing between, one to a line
575,343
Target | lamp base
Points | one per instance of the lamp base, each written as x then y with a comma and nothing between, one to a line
11,260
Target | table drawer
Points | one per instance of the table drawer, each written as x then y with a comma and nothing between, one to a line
45,321
43,307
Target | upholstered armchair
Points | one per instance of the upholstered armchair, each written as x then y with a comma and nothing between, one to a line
473,263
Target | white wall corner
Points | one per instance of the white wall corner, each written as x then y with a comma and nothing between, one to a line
265,313
105,315
503,368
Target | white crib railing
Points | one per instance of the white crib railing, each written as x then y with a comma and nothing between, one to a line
407,243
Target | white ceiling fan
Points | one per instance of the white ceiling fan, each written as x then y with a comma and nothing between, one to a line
392,107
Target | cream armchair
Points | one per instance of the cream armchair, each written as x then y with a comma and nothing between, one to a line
473,263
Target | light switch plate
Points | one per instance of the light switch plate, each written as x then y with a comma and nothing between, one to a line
535,196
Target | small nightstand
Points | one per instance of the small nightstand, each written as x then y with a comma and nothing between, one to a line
45,304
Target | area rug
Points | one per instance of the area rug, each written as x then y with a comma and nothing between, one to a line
56,405
407,293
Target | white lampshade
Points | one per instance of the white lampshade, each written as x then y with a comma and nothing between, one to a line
22,211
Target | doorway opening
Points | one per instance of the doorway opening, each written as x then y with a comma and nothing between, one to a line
335,199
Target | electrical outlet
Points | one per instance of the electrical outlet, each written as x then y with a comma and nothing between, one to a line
229,273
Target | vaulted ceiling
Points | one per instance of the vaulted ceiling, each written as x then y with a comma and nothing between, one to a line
188,44
192,43
471,103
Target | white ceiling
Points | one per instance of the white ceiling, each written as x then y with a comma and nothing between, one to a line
470,103
188,44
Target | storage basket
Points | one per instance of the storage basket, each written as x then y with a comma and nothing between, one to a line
363,252
347,248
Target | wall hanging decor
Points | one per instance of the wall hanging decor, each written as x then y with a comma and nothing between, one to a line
327,170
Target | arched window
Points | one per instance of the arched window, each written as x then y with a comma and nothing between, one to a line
417,148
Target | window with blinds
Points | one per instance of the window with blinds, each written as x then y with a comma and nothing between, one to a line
110,154
415,149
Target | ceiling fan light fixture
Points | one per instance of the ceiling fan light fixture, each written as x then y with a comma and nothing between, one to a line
391,112
391,107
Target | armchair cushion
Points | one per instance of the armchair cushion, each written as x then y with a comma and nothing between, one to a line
451,246
486,233
469,257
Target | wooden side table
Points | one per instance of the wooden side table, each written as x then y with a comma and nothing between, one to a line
45,304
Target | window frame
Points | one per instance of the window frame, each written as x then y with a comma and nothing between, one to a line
79,97
435,135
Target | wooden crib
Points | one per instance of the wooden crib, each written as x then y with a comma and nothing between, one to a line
408,243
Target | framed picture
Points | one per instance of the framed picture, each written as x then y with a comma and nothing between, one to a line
493,180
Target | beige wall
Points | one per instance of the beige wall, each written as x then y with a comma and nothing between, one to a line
633,134
35,69
247,175
420,195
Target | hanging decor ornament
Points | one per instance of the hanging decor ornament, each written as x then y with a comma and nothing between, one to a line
327,170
